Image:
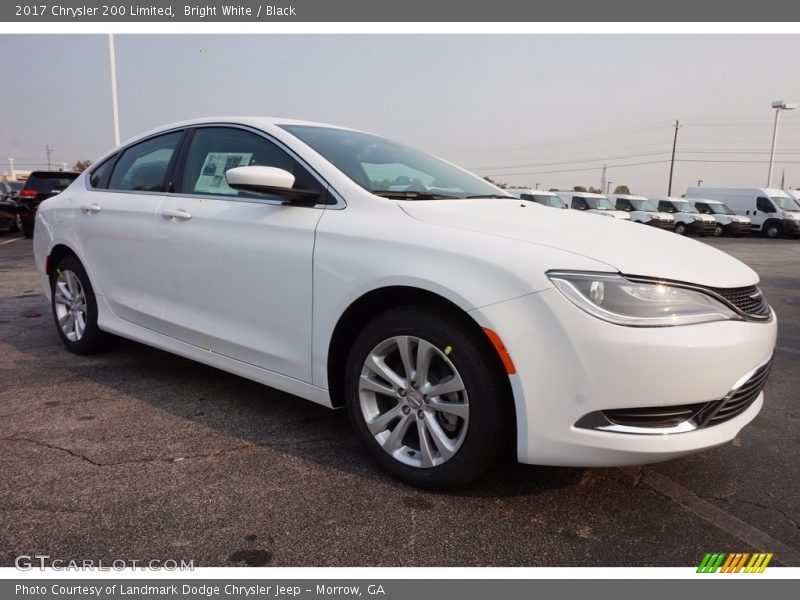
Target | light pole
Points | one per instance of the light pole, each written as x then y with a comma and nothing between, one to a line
11,162
608,186
778,105
113,59
699,181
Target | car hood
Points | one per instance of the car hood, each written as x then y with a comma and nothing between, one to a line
622,245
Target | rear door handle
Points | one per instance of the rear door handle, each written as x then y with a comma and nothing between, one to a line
90,208
176,215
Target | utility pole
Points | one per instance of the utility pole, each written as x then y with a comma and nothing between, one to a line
608,187
699,181
11,162
113,60
672,162
49,151
537,186
603,179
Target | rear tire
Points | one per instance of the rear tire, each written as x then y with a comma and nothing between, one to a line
27,230
15,226
435,441
75,308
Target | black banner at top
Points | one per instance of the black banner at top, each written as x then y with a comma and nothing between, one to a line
402,11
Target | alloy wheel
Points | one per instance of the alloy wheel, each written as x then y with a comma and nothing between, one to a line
70,305
413,401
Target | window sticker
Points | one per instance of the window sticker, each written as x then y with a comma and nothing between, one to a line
212,175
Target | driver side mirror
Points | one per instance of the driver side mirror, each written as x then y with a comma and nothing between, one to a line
269,181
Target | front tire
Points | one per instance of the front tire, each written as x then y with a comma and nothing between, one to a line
75,308
425,396
680,228
718,231
773,229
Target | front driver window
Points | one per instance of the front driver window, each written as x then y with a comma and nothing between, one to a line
764,205
143,167
215,150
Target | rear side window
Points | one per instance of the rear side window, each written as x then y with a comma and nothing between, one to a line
215,150
99,177
49,182
143,167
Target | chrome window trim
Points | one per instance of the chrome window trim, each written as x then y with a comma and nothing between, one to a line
339,204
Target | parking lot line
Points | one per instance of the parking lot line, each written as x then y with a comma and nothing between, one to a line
10,241
717,517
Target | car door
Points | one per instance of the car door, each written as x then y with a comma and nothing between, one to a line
764,210
114,222
236,266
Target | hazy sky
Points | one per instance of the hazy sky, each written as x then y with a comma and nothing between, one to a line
524,109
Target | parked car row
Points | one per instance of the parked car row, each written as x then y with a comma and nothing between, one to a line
701,211
19,201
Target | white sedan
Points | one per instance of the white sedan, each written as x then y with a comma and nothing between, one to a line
450,318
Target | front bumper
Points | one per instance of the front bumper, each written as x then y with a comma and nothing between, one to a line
791,226
735,228
701,227
570,364
660,223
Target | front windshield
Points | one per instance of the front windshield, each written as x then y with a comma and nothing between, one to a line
720,209
785,203
643,205
684,207
390,169
552,201
601,203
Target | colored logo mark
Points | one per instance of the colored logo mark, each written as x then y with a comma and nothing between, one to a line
734,562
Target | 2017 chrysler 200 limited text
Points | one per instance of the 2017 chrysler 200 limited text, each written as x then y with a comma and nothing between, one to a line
451,319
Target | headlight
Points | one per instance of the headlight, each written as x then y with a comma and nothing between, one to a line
689,217
618,300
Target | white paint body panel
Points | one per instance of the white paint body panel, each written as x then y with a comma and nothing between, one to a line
257,290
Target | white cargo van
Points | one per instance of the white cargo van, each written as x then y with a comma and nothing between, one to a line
542,197
687,218
642,210
772,211
795,194
728,222
593,203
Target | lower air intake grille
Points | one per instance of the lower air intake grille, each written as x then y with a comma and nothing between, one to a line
738,400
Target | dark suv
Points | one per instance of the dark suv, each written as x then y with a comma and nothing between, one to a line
40,186
8,205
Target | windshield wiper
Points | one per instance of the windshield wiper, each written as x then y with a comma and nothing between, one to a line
402,195
493,196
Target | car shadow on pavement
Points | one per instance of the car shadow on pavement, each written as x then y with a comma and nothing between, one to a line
202,411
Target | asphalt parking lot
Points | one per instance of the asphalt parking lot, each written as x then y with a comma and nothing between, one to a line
137,454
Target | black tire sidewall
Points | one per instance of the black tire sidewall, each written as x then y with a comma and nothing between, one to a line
680,229
487,421
94,340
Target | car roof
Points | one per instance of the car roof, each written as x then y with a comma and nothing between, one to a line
253,121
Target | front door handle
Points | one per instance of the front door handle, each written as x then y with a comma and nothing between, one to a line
90,208
176,215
